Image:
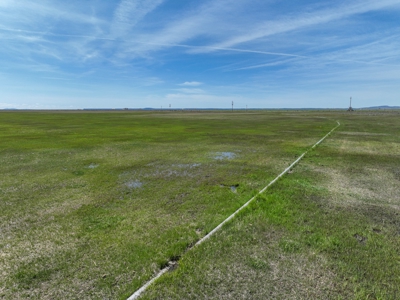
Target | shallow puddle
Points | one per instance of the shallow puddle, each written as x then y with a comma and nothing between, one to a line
134,184
92,166
189,166
224,155
233,188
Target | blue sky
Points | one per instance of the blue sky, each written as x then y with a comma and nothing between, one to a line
205,54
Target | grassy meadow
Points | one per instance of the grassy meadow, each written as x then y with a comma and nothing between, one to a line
93,204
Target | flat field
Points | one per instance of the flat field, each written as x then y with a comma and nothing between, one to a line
93,204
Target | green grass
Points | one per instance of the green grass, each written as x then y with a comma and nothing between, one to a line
328,230
93,204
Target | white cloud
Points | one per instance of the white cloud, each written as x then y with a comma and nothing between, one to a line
191,83
152,81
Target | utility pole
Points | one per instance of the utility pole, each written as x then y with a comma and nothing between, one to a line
232,105
350,108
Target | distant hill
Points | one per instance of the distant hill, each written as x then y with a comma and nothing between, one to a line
381,107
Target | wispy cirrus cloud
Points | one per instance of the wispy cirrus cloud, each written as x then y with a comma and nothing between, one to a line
302,20
202,22
44,30
192,23
129,12
190,26
31,14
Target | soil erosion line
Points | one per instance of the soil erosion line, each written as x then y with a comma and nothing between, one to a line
171,264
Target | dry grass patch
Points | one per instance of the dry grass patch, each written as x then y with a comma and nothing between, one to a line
361,133
377,186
